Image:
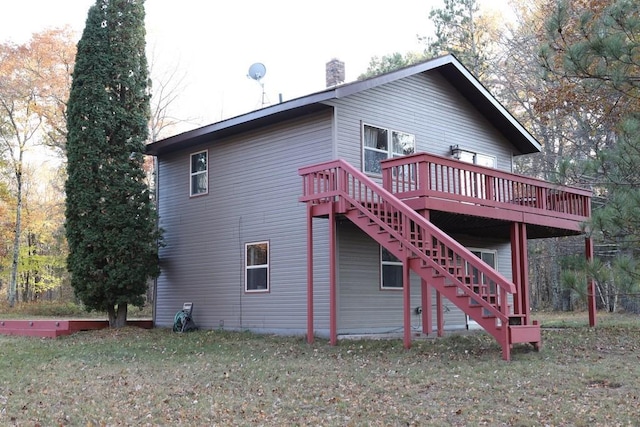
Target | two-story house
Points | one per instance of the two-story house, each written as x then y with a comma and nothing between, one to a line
369,207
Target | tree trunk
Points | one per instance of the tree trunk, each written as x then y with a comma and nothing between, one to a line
117,319
18,232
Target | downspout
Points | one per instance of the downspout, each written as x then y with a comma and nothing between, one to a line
334,133
242,270
156,190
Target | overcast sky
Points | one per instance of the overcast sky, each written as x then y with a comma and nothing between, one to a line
213,43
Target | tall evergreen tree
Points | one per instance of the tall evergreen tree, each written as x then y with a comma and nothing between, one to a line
388,63
110,218
462,30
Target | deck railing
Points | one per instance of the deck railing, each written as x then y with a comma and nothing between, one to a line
427,175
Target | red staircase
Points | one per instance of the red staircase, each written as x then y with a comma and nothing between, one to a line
464,279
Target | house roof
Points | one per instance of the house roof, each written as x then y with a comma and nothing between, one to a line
448,66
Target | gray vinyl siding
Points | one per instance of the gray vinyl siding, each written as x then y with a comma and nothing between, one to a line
363,307
427,106
430,108
253,196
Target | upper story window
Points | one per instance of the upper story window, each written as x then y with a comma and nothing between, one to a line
256,267
199,174
380,144
391,270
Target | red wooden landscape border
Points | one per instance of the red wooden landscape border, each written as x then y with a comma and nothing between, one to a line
53,328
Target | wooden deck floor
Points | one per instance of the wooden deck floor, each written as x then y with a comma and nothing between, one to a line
53,328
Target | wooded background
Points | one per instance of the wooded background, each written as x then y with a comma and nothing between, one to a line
569,71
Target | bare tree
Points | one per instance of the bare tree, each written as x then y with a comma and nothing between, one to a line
167,85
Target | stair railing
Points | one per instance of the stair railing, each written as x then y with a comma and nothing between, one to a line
338,181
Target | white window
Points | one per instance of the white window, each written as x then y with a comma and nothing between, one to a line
391,270
489,257
256,267
480,283
199,180
380,144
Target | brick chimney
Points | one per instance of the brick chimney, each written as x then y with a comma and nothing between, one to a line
334,72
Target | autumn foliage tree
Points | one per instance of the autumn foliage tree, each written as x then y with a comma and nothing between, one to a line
34,84
43,250
110,219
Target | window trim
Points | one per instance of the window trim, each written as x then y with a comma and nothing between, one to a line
480,251
389,151
384,263
194,174
255,267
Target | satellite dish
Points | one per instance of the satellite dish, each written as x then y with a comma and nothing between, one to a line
257,71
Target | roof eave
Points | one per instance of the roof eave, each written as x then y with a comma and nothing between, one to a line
245,122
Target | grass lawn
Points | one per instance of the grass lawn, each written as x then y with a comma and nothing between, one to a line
581,377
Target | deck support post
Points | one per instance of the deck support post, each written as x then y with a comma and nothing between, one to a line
427,316
506,345
520,271
591,285
425,287
406,293
439,314
333,322
309,274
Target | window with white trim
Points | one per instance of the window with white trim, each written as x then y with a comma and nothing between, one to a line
199,177
380,144
488,256
479,280
256,267
390,270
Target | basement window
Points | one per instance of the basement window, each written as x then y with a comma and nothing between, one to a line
391,270
256,267
199,184
380,144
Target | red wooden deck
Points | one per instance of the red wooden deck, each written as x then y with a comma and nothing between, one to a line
429,182
53,328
